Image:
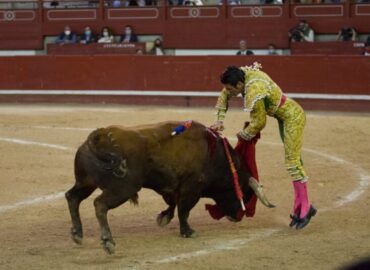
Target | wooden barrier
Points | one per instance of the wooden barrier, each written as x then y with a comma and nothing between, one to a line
333,75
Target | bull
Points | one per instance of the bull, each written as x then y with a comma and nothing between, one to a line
182,169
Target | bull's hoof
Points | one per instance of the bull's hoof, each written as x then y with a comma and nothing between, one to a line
108,246
163,219
76,236
188,233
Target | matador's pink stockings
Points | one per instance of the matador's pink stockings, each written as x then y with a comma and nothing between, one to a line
301,202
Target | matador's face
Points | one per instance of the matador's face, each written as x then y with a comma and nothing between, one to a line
234,90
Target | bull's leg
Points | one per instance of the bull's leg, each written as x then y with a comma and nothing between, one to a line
107,200
167,215
74,197
185,204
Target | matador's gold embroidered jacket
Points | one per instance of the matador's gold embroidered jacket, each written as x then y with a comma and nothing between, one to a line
262,96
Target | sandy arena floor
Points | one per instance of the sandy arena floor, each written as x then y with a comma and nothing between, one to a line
37,146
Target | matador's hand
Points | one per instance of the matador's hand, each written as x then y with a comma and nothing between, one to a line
244,136
218,126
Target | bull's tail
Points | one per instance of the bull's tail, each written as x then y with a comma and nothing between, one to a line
110,157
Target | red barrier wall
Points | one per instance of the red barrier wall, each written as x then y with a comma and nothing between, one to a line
305,74
295,74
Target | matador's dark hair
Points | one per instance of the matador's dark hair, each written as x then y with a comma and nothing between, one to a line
232,75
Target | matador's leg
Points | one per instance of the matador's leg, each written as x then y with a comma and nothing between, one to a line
291,131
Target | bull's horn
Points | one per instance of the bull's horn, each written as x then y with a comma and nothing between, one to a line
258,190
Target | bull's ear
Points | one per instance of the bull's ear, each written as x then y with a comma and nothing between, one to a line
121,170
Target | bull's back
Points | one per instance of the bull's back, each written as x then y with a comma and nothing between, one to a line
151,152
184,153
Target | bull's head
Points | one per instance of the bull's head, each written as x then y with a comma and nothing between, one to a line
227,203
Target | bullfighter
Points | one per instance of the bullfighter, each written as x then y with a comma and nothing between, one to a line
262,96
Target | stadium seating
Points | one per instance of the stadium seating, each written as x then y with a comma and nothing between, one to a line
24,24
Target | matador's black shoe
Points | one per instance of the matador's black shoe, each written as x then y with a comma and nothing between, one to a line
302,222
295,220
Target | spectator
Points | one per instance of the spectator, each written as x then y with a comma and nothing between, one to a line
67,37
116,3
135,3
157,48
54,4
367,50
347,34
243,49
128,36
175,2
139,52
309,1
151,2
51,4
272,50
88,36
367,46
279,2
367,43
106,36
302,32
232,2
193,3
141,3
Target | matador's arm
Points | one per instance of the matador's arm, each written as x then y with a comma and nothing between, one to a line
257,122
222,105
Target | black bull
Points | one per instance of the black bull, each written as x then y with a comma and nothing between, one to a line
182,168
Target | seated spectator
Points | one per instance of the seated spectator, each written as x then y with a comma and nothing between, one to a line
128,36
116,3
279,2
151,2
174,2
88,36
106,36
232,2
367,43
193,3
243,49
367,50
367,46
302,32
67,37
139,52
54,4
309,1
135,3
272,50
347,34
157,48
